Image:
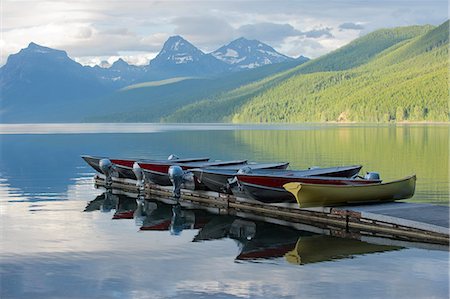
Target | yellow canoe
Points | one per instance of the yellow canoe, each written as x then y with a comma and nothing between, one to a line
317,195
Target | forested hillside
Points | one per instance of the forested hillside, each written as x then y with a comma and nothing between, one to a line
150,101
398,74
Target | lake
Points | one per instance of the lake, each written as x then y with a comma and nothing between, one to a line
63,238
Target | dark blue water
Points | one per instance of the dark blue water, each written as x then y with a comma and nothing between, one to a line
62,238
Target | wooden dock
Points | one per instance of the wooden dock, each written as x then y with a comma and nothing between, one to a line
400,221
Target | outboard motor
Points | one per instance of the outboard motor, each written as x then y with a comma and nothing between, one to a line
372,176
110,201
176,177
242,229
245,169
107,168
188,180
139,215
137,170
173,157
233,183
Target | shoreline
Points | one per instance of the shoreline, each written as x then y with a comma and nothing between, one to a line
98,128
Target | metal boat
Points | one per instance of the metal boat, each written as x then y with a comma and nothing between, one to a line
124,167
216,179
314,195
267,185
157,173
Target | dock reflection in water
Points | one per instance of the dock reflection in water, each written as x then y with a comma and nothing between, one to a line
257,241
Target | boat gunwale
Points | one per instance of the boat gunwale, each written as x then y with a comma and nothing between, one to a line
404,179
297,171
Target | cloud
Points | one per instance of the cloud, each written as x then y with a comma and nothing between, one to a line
109,28
268,32
207,32
316,33
277,33
351,26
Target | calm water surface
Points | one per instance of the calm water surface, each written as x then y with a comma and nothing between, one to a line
62,238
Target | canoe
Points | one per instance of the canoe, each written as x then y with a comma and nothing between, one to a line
267,185
158,172
314,195
124,167
216,179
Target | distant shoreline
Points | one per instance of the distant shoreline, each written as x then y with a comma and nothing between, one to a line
124,128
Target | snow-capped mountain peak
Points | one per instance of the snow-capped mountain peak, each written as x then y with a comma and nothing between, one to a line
177,50
181,56
245,54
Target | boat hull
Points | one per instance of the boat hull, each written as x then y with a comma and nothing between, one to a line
267,194
157,173
268,188
311,195
93,162
217,180
124,167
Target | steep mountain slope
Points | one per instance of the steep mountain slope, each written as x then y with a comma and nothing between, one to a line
40,84
178,57
247,54
120,73
321,89
39,79
409,81
151,101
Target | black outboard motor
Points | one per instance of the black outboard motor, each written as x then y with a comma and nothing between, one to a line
173,157
372,176
107,168
110,201
176,177
242,229
188,180
137,170
233,183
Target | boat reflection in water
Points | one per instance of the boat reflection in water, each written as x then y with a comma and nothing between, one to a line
257,240
320,248
157,216
103,203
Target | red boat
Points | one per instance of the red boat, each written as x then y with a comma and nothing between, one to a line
267,186
124,167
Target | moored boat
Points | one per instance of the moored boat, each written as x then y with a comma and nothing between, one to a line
267,185
158,172
124,167
313,195
216,179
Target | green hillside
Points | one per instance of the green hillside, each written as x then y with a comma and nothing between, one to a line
151,101
388,75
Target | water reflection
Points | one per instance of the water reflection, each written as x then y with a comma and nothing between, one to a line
318,248
43,166
256,240
393,151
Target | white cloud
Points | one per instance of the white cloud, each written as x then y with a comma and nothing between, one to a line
108,28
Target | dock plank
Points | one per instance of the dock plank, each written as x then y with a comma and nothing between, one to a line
416,215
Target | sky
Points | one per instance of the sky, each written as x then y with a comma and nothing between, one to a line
92,31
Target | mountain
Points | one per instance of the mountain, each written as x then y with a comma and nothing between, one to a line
389,75
172,94
120,73
39,83
178,57
407,81
247,54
